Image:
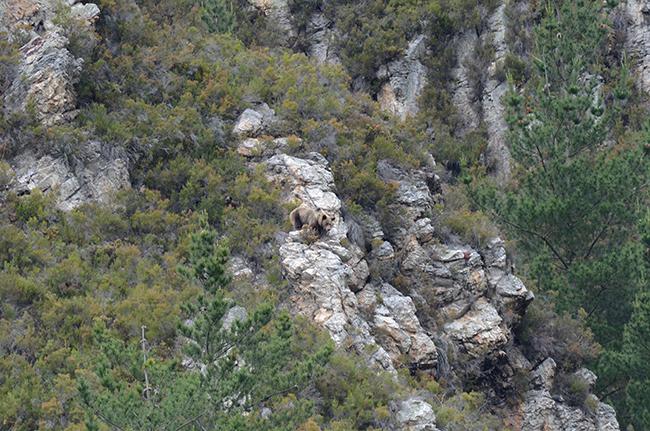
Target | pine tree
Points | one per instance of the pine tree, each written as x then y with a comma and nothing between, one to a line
254,363
630,364
578,188
219,15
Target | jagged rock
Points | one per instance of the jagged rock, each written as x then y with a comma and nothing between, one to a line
321,40
638,39
393,320
320,273
319,291
358,275
406,78
278,12
325,275
480,330
413,199
249,123
494,254
413,414
385,251
541,411
16,16
252,122
256,147
423,230
511,294
234,314
606,418
45,78
445,279
87,13
97,175
311,181
542,377
469,297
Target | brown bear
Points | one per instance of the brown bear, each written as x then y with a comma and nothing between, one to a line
317,220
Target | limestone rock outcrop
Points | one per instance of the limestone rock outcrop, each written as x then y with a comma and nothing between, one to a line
414,414
252,122
405,80
96,175
45,79
493,108
321,35
637,14
43,83
328,277
478,99
542,411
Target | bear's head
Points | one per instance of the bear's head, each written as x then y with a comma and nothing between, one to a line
325,222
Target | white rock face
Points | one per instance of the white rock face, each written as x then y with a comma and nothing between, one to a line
494,112
461,294
414,414
378,322
393,319
462,96
250,123
406,78
278,12
638,39
310,181
479,331
93,180
486,107
45,79
321,36
87,12
542,412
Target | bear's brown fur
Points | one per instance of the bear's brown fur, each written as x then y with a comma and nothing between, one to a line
317,220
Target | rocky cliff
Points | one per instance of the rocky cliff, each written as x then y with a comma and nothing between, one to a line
398,293
411,300
43,87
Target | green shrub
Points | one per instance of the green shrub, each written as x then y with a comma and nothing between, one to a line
545,333
474,227
465,412
33,207
573,388
514,67
8,61
355,395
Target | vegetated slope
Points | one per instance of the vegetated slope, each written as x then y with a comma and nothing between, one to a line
153,150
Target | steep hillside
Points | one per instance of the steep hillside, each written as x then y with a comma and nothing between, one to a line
152,152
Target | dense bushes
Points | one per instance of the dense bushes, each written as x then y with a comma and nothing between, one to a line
543,334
